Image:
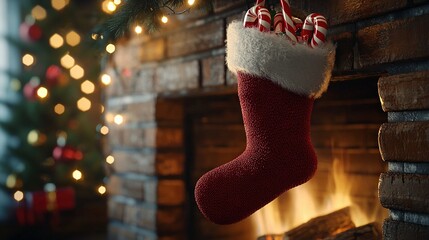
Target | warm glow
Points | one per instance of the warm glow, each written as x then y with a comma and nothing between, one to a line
104,130
18,196
138,29
111,6
87,87
11,181
191,2
28,60
72,38
38,13
304,205
84,104
110,159
102,109
117,2
102,190
42,92
77,72
58,4
56,41
164,19
59,109
106,79
33,137
118,119
77,175
67,61
110,48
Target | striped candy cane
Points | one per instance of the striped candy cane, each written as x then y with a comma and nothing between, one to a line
260,3
279,26
258,16
314,29
289,24
264,17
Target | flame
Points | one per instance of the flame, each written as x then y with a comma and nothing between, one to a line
302,205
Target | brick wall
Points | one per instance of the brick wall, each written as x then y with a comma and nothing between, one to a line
149,188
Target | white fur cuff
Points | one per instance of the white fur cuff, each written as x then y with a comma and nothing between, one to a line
296,67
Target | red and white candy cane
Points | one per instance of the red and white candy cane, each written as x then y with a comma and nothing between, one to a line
288,22
258,16
314,29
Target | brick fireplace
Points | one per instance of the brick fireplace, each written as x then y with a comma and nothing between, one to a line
182,118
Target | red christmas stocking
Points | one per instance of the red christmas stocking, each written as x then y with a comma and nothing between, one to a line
277,84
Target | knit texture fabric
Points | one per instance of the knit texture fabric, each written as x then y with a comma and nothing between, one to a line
278,155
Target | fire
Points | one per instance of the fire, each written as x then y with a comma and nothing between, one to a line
300,205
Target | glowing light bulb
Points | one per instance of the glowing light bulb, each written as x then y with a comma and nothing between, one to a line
104,130
106,79
77,175
110,159
38,13
87,87
84,104
59,109
117,2
110,48
191,2
111,6
28,60
101,190
72,38
164,19
11,181
58,4
33,137
77,72
56,41
42,92
18,196
118,119
138,29
67,61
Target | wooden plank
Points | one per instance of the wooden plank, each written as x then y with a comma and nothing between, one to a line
407,192
366,232
404,92
405,142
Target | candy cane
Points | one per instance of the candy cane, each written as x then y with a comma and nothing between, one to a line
289,25
251,17
262,15
260,3
314,29
279,26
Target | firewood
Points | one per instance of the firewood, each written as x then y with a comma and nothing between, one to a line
323,226
369,231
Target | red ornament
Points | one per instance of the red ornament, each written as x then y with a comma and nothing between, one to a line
54,75
30,91
66,154
30,32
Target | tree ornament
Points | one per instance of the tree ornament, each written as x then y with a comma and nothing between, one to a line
276,99
66,154
55,76
30,89
30,32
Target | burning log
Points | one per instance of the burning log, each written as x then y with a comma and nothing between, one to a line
323,226
370,231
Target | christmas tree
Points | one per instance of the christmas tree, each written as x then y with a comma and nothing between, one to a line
53,164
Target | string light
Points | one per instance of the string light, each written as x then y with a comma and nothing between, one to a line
77,175
73,38
18,196
28,60
87,87
118,119
33,137
77,72
110,48
117,2
102,190
138,29
59,109
164,19
104,130
111,6
106,79
67,61
110,159
11,181
42,92
38,13
56,41
84,104
15,84
191,2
